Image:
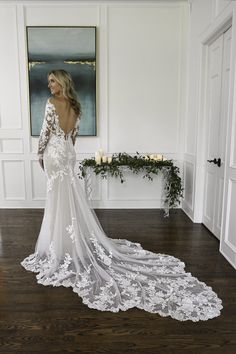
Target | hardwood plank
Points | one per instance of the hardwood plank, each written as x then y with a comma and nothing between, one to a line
44,319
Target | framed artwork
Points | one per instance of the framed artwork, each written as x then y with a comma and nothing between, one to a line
72,49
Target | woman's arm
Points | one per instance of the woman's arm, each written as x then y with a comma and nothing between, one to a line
75,131
44,134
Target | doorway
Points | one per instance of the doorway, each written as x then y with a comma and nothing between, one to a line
217,98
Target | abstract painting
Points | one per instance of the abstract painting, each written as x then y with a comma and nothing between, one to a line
72,49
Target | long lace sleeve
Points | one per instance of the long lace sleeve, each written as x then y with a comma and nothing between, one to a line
75,131
45,131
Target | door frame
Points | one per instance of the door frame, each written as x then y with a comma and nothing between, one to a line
207,37
210,169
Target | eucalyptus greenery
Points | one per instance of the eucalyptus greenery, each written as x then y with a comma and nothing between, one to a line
173,189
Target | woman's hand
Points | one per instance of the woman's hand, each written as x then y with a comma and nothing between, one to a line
41,163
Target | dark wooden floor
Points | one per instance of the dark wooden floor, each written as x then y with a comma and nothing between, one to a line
40,319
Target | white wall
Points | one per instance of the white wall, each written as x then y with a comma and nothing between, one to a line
141,79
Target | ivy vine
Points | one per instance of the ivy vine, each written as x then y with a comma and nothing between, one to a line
173,189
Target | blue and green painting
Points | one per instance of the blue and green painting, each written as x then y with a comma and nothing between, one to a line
72,49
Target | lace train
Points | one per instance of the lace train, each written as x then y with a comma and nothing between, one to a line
153,282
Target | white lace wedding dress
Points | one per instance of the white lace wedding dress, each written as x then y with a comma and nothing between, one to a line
72,249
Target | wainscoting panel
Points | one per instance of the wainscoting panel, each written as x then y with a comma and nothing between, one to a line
9,69
188,184
12,145
134,188
13,180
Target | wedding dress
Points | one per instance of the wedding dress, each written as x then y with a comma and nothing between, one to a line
72,249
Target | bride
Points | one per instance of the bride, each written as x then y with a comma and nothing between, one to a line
72,249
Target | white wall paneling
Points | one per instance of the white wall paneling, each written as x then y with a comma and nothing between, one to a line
14,187
61,14
9,70
220,5
208,210
11,145
188,183
135,192
141,87
144,84
12,158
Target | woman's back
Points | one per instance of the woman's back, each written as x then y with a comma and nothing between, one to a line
65,113
60,124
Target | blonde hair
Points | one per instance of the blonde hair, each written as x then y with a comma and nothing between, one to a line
65,80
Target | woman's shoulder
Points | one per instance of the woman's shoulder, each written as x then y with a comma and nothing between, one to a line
49,100
50,106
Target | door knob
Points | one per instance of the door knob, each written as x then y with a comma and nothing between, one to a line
216,161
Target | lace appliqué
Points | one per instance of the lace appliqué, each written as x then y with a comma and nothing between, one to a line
60,174
71,230
128,285
100,251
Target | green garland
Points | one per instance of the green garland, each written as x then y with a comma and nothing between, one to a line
172,188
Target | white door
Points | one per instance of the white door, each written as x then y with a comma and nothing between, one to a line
218,97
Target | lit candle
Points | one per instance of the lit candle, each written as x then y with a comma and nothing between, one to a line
98,160
109,159
104,158
152,156
159,157
164,158
100,152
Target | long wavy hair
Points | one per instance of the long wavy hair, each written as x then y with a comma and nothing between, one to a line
65,80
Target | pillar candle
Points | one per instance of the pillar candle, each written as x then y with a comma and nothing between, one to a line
100,152
98,160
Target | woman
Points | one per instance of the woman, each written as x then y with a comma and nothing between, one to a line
73,250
